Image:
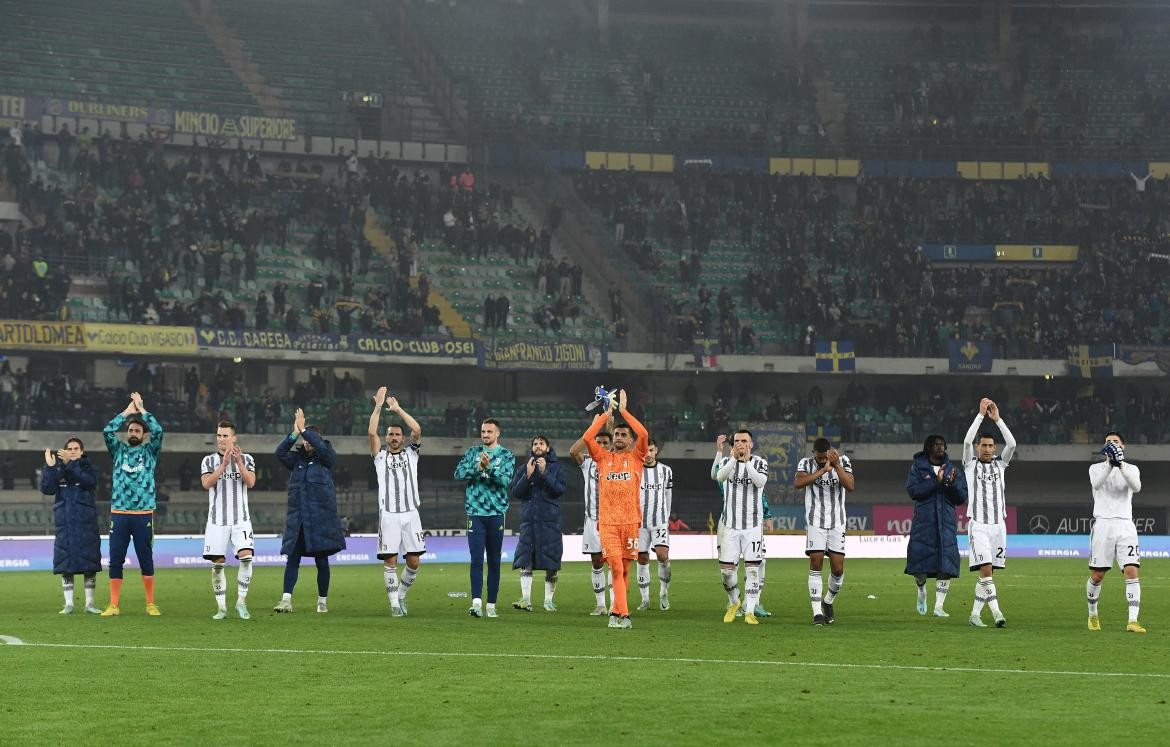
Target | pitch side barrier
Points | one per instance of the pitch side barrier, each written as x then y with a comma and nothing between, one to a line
177,551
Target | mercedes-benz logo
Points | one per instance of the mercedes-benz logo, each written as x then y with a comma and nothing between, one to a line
1038,524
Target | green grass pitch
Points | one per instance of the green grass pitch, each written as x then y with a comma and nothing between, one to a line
882,674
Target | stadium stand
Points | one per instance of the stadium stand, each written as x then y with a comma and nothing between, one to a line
129,52
312,52
659,86
747,256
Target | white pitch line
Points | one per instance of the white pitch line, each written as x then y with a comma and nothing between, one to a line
11,640
592,657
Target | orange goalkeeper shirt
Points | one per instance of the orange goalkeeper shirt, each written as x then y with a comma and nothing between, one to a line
619,474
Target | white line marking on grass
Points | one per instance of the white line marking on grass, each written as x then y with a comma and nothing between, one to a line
11,640
593,657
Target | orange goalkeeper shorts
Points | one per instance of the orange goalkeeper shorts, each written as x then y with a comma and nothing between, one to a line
619,540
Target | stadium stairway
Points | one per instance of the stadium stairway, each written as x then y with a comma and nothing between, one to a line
448,315
236,55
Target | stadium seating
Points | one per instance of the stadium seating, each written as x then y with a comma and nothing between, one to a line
132,52
466,282
312,51
519,64
875,67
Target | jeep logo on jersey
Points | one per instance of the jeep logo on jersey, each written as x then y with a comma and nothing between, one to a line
623,476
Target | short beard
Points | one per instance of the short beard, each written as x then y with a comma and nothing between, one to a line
134,440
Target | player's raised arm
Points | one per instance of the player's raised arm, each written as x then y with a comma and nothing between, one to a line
972,434
844,469
720,442
411,423
920,486
375,419
1132,475
590,437
1009,441
284,450
500,473
955,487
577,451
208,479
804,479
759,477
110,432
247,465
322,448
467,467
641,435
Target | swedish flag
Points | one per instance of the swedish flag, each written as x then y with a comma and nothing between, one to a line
1090,361
835,355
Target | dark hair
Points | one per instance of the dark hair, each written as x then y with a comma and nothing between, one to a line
1115,433
622,424
79,444
931,440
821,445
226,424
491,421
399,426
652,442
743,430
603,434
541,437
984,435
135,420
315,429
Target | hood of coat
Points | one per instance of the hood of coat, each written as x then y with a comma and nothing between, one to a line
923,460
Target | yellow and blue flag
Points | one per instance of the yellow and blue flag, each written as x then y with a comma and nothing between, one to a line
835,355
1090,361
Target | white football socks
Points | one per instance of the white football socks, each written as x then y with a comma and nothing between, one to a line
243,579
814,592
218,585
940,594
1093,592
526,584
835,584
599,586
751,588
407,581
390,579
730,584
644,582
67,588
1133,595
664,579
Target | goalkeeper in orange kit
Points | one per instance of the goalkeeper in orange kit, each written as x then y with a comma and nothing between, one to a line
619,485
